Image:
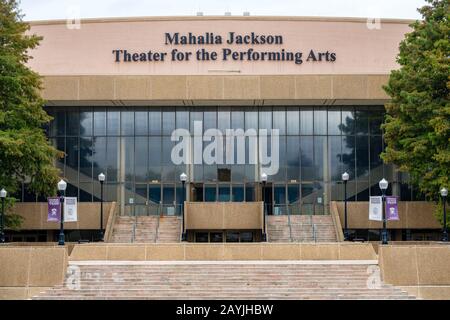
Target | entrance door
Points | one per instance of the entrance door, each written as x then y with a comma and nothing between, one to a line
197,192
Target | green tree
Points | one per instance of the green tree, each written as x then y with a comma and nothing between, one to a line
25,153
417,124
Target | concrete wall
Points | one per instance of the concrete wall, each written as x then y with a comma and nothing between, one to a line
413,215
25,271
223,215
215,89
35,215
424,271
251,251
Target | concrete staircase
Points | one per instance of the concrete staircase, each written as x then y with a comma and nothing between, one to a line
301,228
146,229
123,230
225,280
169,229
278,229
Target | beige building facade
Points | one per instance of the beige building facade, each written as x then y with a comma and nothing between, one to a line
144,100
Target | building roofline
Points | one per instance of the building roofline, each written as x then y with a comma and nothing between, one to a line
218,18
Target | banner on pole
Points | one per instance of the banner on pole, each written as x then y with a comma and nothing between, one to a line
392,208
70,209
54,209
376,208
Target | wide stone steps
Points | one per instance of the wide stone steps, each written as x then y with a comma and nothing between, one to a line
224,281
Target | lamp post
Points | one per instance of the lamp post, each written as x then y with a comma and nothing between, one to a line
444,193
264,181
345,177
3,194
383,186
101,179
62,185
183,179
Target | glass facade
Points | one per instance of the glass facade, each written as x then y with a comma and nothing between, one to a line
132,146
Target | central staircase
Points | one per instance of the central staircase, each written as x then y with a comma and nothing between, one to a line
223,281
146,229
301,228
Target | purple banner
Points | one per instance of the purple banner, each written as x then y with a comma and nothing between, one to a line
54,209
392,208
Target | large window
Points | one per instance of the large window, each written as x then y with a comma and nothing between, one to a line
133,147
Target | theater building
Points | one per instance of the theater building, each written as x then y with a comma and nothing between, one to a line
227,101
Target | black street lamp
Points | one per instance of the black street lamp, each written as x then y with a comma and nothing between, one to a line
101,179
345,177
183,179
383,186
62,185
444,193
264,181
3,194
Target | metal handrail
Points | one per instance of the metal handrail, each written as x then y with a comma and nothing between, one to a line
289,223
133,235
157,221
314,232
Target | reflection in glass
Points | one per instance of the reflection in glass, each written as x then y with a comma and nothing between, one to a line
85,192
334,122
362,156
99,155
99,123
307,158
265,119
85,123
223,120
335,154
113,147
85,159
168,122
154,122
362,121
251,120
320,121
72,155
182,119
127,123
348,121
141,158
279,121
133,146
210,120
293,122
113,123
306,121
141,123
348,155
128,165
73,125
237,120
293,157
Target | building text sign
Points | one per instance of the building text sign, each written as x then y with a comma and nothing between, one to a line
250,47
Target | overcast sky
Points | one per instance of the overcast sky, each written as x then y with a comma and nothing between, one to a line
62,9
